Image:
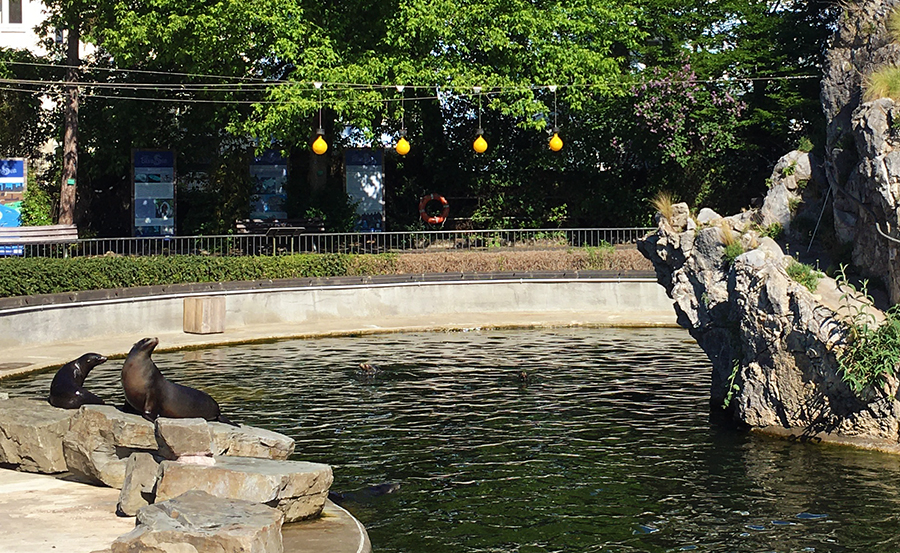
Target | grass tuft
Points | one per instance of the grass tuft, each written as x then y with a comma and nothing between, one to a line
663,202
882,83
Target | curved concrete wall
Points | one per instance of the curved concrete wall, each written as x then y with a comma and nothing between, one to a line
32,334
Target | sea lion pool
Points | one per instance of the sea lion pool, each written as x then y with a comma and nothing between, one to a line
606,443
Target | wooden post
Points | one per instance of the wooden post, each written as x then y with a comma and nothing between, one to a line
204,315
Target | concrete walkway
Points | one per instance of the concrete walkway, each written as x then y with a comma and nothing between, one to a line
41,513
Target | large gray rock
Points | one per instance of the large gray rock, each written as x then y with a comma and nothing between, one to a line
250,441
197,522
297,488
863,140
100,440
179,437
139,486
772,342
31,435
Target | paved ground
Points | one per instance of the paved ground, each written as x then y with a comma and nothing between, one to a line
41,514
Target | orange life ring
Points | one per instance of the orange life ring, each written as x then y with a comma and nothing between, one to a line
434,219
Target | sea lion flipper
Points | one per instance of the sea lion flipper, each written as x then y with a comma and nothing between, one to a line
223,418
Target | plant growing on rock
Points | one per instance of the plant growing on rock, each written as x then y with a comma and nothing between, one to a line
884,82
873,352
662,203
733,247
803,274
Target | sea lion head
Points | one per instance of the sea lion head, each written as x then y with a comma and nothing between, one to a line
145,346
88,361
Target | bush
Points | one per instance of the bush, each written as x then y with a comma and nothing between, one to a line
30,276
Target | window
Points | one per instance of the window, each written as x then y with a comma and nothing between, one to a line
15,11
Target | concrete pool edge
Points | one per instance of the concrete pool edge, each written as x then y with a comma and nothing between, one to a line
49,333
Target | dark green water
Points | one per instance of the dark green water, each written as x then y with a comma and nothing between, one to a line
608,446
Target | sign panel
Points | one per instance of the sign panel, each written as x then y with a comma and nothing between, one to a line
154,192
268,175
364,179
13,175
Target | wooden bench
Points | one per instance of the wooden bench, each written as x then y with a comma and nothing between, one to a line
14,239
44,234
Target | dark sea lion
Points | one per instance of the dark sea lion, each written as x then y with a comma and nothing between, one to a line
67,389
151,395
358,496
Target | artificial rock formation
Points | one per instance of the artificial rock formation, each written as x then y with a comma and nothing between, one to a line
31,435
197,521
297,488
101,438
863,143
772,342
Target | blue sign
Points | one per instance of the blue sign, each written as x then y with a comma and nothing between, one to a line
154,158
12,191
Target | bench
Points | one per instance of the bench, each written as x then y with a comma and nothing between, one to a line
13,239
282,235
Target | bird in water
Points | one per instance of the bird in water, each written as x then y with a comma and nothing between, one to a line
365,369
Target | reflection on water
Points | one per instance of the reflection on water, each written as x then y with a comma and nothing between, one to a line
605,446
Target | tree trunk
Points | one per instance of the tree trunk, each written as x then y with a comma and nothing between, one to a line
70,136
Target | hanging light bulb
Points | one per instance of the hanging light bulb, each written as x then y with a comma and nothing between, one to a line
556,142
402,146
480,143
319,146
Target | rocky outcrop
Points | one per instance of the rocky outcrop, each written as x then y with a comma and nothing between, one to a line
101,438
863,141
772,343
297,488
197,521
139,487
31,435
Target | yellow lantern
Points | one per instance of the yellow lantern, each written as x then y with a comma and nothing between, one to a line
402,146
556,142
319,146
480,143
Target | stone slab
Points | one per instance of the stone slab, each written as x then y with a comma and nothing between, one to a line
31,435
297,488
198,521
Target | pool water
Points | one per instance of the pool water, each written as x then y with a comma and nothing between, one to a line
605,444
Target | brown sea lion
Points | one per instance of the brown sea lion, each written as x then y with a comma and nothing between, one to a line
67,389
151,395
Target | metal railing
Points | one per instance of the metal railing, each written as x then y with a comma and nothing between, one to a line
323,242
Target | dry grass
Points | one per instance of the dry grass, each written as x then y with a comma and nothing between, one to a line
882,83
520,261
728,238
893,25
662,203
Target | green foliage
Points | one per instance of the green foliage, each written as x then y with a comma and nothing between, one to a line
731,252
805,145
29,276
789,169
794,204
884,82
732,387
37,205
804,274
773,231
873,352
597,256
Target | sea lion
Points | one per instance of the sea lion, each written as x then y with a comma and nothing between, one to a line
67,389
359,496
151,395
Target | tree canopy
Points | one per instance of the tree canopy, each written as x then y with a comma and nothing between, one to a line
698,98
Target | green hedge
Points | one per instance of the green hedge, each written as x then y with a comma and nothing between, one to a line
29,276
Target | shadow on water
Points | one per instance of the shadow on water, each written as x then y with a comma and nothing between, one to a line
605,444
